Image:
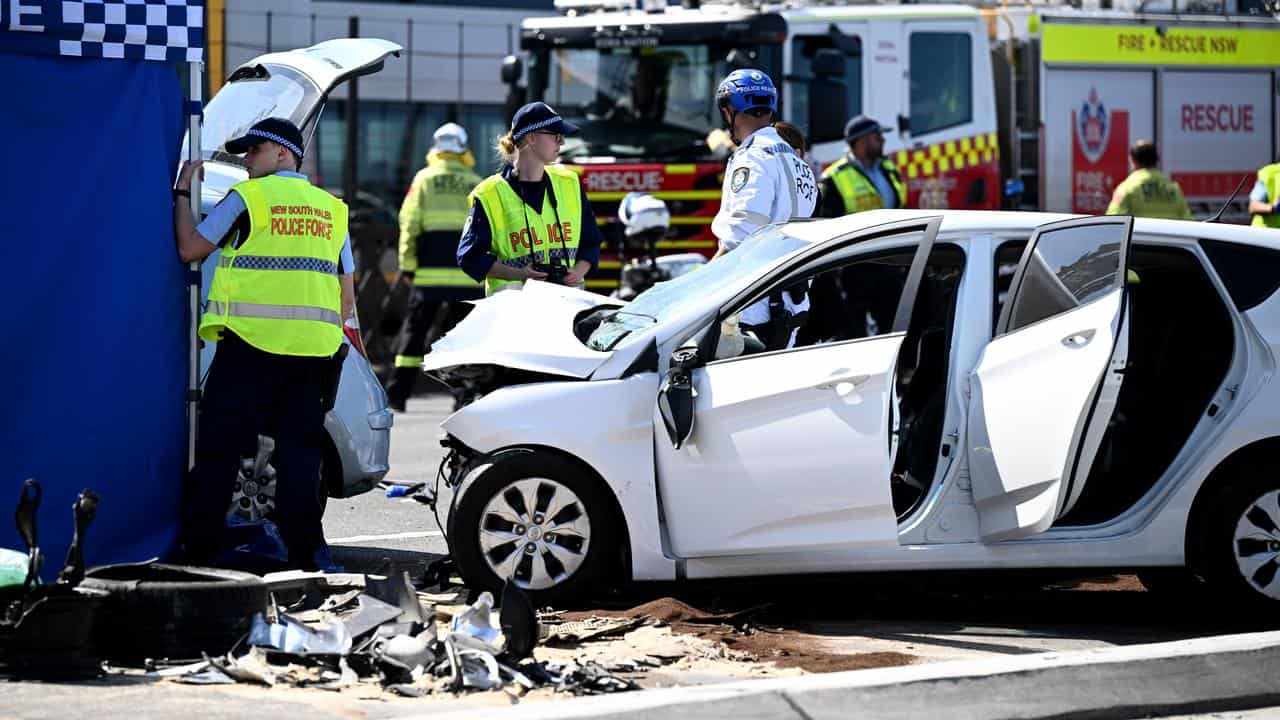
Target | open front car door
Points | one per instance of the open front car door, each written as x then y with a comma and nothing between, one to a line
786,450
1045,386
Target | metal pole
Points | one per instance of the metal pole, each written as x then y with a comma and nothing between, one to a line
313,28
349,175
408,72
268,31
461,60
195,95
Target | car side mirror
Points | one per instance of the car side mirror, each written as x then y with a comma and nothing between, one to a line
675,397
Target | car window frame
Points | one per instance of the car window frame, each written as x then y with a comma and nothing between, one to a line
1015,286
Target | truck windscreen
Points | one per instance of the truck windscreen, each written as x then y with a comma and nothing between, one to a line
655,103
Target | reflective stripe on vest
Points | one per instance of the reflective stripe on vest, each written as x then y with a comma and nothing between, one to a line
408,361
274,312
1270,177
857,190
511,222
443,277
279,291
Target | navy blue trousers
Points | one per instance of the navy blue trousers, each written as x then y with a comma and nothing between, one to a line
251,392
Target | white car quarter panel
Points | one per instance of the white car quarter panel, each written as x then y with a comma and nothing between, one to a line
1031,395
610,428
789,450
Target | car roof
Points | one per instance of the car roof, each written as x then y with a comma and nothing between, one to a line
989,221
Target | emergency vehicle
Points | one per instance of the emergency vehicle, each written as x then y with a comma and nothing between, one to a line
1032,107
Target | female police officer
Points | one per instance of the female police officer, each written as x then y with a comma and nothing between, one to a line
530,220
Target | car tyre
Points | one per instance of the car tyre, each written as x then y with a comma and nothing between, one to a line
537,518
1241,542
173,611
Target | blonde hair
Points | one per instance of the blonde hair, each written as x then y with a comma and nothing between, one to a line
506,147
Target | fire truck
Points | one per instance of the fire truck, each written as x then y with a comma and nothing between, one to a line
1031,107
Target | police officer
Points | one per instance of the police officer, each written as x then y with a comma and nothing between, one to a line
280,295
765,182
864,179
1265,197
432,215
1147,192
530,220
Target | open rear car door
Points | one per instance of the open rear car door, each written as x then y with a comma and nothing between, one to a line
1046,385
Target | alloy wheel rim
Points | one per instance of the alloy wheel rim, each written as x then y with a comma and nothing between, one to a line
535,532
1256,544
254,498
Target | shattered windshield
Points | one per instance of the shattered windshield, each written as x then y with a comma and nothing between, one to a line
647,102
274,92
669,299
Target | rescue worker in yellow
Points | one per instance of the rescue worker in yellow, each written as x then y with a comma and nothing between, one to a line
432,215
531,220
1265,197
277,304
864,179
1147,192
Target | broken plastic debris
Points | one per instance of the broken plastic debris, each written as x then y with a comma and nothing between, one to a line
409,650
370,613
289,635
473,628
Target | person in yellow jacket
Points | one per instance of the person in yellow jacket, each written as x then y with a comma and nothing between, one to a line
280,296
531,220
1147,192
864,179
431,217
1265,197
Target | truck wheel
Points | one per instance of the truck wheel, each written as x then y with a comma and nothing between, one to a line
539,520
1242,539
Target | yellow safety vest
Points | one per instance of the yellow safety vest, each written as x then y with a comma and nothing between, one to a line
1148,193
437,203
1270,177
857,190
520,235
279,290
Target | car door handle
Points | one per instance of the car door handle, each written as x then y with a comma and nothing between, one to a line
833,383
1079,339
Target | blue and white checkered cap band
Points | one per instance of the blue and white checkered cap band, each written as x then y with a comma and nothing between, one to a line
536,126
159,30
276,139
268,262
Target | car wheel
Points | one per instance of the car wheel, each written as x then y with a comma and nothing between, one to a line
1242,542
537,519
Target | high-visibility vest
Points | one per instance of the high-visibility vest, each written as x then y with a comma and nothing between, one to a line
857,190
432,215
1270,178
279,289
1147,192
522,236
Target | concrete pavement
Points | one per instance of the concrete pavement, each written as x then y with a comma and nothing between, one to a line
1226,673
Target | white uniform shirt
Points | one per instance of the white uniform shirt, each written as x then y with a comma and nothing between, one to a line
765,182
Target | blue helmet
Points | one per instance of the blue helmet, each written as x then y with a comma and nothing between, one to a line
747,89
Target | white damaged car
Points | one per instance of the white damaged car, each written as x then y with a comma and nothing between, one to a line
969,390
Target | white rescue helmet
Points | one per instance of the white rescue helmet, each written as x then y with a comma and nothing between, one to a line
450,138
640,212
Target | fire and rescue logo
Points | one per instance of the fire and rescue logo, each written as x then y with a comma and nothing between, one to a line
739,179
1093,127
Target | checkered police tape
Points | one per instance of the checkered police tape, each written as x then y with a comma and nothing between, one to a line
158,30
